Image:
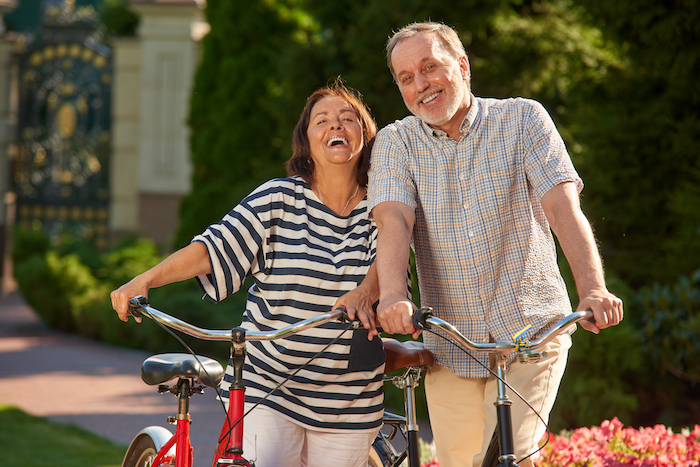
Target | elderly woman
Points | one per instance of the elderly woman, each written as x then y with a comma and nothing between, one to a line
308,243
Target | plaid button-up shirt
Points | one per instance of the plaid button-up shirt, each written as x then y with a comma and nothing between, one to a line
485,254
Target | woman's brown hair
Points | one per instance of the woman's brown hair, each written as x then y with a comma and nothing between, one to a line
301,163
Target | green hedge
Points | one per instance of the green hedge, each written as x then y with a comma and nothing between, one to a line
68,284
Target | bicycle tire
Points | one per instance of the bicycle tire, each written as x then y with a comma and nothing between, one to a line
145,446
142,454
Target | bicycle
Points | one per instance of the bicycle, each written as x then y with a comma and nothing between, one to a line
187,374
500,452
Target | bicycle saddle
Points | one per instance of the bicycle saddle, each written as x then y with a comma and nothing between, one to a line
161,368
406,354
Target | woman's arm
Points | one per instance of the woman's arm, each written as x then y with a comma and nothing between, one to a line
186,263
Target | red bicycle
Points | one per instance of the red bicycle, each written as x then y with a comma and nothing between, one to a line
186,374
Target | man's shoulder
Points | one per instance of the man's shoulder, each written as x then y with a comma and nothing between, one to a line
511,104
410,125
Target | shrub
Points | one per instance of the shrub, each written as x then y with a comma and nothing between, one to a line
669,324
68,285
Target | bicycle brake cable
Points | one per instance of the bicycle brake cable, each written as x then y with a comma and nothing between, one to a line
546,426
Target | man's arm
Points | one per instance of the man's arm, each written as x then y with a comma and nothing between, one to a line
395,222
563,210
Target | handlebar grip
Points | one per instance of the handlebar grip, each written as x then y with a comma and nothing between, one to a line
420,318
135,305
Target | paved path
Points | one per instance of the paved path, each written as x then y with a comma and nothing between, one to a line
95,386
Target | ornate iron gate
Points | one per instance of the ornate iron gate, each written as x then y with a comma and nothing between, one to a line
61,169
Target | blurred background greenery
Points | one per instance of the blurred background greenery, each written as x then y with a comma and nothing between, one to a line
620,81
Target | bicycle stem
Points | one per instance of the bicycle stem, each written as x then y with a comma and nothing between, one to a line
503,414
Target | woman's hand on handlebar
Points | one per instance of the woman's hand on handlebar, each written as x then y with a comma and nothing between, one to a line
359,306
120,297
395,315
605,308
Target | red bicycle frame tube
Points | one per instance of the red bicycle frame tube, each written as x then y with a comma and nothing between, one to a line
232,438
183,447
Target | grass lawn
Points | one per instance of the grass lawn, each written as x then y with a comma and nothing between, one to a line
27,441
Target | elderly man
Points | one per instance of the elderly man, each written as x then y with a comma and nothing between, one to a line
477,186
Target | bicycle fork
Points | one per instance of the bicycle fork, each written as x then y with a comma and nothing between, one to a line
503,416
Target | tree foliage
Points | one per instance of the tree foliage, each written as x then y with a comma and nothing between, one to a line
258,64
639,125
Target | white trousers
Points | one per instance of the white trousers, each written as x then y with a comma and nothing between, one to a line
463,415
272,440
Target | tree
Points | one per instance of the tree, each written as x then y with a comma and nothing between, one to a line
258,65
639,127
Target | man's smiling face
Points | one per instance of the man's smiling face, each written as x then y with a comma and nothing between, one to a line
434,85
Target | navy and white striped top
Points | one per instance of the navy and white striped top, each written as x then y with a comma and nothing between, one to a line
302,257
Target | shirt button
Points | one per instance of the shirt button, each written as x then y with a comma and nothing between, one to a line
471,234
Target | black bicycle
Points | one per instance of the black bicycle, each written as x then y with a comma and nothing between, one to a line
501,451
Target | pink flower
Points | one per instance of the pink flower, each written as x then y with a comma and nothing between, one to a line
613,445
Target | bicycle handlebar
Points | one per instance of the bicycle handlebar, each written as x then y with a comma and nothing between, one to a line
139,307
423,319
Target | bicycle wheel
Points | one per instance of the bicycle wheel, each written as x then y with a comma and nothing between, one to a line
145,446
142,454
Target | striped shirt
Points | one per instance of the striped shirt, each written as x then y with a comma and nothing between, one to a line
485,254
302,257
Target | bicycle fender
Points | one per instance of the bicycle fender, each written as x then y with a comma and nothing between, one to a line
159,435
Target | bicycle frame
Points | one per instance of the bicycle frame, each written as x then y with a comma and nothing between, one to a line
232,431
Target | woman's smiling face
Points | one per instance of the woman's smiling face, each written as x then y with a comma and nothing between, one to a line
334,133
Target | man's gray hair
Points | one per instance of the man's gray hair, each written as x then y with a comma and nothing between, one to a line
445,34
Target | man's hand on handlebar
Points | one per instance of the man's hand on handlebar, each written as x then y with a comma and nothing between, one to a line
395,315
605,308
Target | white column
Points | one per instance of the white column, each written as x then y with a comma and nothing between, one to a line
168,62
126,134
154,74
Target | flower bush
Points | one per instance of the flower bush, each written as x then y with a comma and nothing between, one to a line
613,445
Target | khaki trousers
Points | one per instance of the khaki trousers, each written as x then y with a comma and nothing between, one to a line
463,415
